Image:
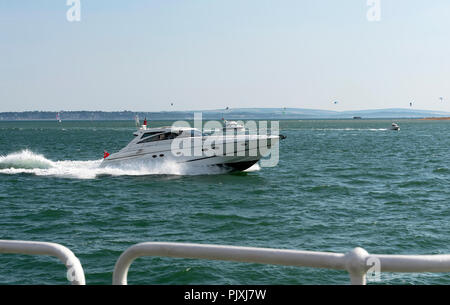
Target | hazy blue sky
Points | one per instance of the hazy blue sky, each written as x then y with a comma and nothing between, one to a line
209,54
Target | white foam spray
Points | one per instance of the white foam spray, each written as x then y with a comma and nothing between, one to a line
28,162
254,168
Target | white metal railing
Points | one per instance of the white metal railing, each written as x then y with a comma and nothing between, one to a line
356,262
75,273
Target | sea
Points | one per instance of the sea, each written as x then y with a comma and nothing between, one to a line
339,184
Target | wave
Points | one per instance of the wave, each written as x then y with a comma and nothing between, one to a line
28,162
351,129
25,159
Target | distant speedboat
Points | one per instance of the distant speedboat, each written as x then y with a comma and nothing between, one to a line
232,125
395,126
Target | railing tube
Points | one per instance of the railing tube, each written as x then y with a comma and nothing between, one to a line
414,263
226,253
75,272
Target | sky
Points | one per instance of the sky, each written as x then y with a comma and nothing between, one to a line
211,54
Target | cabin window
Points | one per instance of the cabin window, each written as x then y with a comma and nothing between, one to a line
159,137
149,134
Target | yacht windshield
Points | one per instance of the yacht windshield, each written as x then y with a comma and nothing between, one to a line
149,134
159,137
197,133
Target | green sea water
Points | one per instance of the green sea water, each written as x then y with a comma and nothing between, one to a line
339,184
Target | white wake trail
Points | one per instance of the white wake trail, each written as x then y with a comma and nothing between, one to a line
29,162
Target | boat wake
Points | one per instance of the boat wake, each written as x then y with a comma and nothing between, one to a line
351,129
28,162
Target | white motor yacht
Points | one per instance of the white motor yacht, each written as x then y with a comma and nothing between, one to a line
233,152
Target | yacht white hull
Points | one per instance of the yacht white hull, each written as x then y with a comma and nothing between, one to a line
230,153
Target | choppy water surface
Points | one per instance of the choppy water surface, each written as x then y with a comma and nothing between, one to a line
338,185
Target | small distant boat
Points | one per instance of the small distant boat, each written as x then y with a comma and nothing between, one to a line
357,118
395,126
233,125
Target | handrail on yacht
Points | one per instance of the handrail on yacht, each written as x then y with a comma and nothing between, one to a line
357,262
75,273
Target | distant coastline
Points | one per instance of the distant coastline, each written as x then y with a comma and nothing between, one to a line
235,114
436,119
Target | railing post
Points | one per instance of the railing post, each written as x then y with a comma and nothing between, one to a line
355,263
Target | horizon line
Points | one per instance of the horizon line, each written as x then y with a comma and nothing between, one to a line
230,109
